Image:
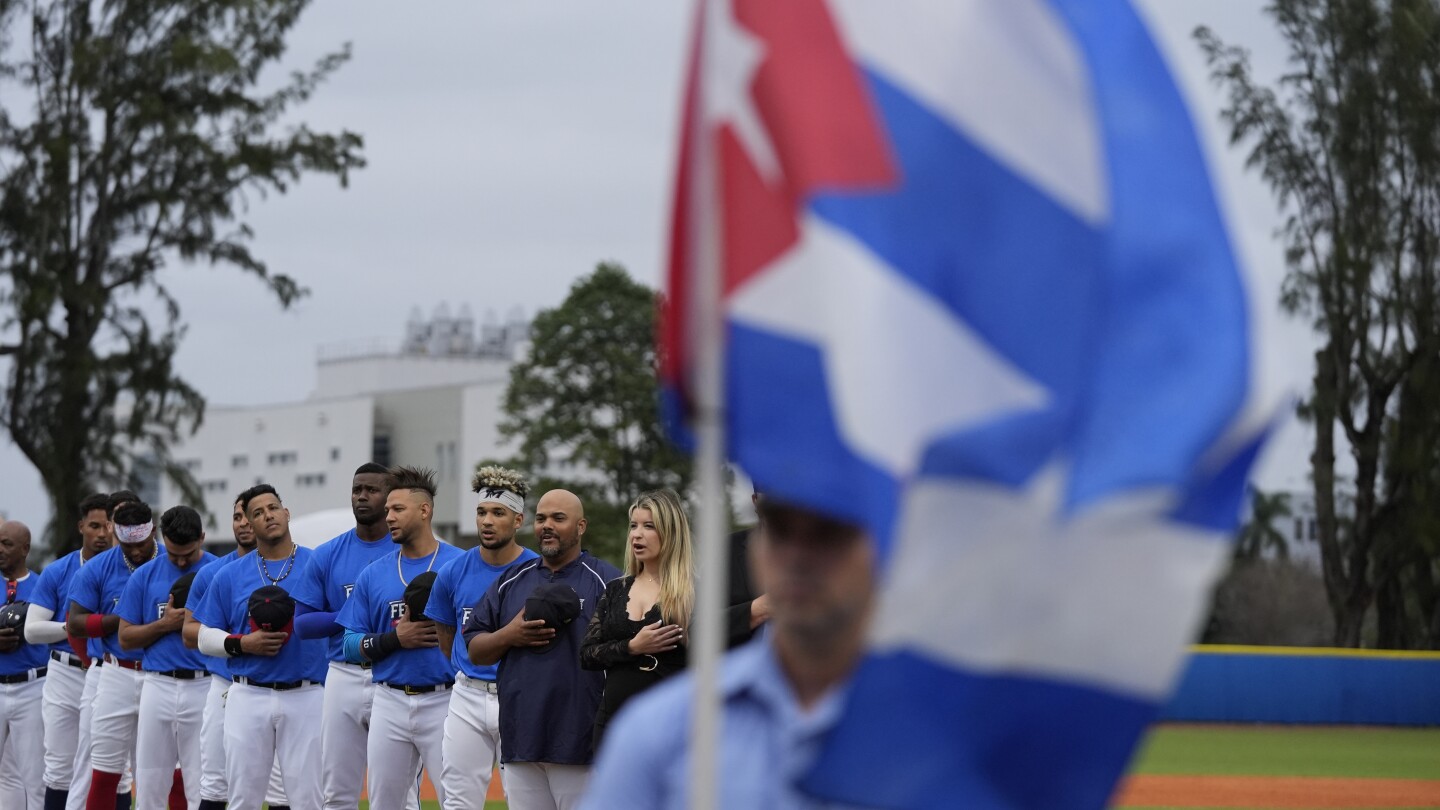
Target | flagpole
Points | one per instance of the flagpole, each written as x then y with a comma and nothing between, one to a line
711,515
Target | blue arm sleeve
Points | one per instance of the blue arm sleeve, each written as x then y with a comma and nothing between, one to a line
311,623
352,646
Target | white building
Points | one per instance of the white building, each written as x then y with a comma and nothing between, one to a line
433,400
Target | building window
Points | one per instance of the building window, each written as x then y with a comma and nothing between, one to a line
380,450
310,480
190,465
334,454
239,462
216,485
283,457
1299,529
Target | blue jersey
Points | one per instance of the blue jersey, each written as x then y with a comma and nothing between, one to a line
26,656
547,702
97,587
143,602
54,589
198,587
226,606
376,605
327,583
459,585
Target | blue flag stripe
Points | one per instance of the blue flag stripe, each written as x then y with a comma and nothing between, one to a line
976,741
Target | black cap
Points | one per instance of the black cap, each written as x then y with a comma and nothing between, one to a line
557,605
12,616
180,591
271,608
417,595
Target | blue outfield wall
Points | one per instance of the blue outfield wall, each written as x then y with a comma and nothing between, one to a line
1232,684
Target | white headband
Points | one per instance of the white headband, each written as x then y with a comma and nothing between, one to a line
504,497
134,534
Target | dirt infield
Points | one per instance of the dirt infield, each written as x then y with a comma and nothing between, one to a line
1152,790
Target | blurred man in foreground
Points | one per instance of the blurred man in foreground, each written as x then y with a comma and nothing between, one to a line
779,694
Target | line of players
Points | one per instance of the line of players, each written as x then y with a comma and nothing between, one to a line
204,676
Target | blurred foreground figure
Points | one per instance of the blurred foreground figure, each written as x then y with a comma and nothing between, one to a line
780,692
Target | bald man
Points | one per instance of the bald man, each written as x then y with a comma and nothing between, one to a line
547,702
22,675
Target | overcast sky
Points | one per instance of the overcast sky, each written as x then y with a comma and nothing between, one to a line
511,146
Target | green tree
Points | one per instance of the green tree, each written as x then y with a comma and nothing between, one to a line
142,140
1259,532
1347,141
584,406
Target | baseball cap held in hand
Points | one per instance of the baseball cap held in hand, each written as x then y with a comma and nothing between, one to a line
557,605
417,595
272,608
180,590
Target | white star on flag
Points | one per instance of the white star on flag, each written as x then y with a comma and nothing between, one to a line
733,57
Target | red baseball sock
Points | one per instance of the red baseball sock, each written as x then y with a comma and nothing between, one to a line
177,792
103,787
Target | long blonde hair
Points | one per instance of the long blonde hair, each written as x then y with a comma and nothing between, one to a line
675,569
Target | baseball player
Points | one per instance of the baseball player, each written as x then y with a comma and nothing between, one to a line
276,692
172,696
94,595
321,591
547,703
214,789
385,625
45,624
472,728
22,672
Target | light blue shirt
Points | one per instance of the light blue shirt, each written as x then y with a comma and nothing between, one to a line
766,744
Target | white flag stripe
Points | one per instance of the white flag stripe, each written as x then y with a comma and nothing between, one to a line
1008,74
984,579
902,369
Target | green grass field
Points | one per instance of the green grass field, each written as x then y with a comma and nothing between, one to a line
1332,751
1376,753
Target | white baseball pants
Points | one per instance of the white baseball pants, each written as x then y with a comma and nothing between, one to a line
472,741
21,728
543,785
80,771
114,718
406,731
64,687
213,785
263,725
169,736
345,724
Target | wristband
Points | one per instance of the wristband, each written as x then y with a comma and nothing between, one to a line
94,626
378,646
232,645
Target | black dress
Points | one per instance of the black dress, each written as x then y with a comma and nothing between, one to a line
606,647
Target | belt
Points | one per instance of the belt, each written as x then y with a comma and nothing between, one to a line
418,690
181,674
365,665
482,685
278,686
24,677
121,662
67,659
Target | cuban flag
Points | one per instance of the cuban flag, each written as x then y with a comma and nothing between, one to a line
977,296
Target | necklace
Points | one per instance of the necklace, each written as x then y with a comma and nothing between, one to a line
126,557
289,565
401,574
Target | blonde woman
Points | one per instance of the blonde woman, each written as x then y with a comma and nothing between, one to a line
639,630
